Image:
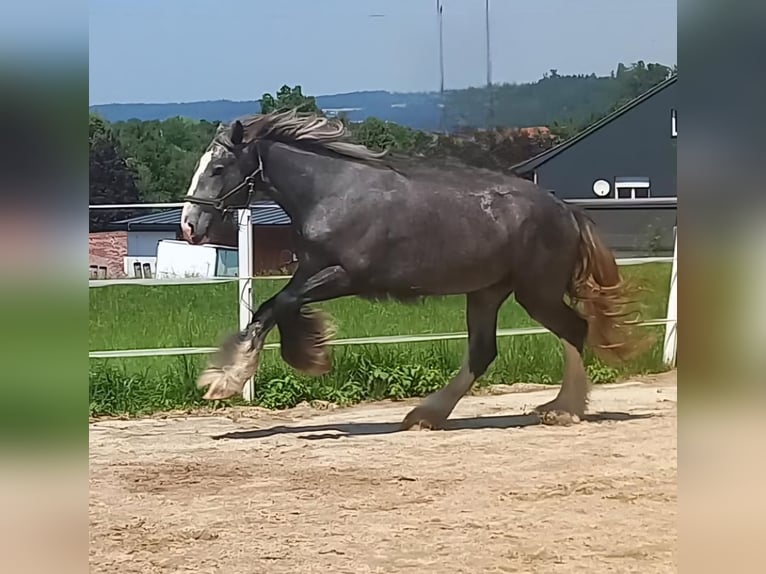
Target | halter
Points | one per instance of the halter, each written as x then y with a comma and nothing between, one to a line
218,203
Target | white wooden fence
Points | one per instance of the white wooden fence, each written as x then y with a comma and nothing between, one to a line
245,294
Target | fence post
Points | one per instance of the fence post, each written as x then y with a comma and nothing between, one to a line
245,265
671,327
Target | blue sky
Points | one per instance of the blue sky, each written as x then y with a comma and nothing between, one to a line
187,50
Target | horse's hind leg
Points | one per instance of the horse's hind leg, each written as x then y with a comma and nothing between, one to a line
481,313
563,321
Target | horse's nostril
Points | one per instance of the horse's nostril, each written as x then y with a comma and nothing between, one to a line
187,229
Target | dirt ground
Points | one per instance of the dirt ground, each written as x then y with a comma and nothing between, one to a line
340,491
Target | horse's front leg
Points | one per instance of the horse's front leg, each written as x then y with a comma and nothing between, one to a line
237,359
303,333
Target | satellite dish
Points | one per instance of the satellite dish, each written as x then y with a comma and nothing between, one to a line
601,187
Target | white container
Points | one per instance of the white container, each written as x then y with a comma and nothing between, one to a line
179,259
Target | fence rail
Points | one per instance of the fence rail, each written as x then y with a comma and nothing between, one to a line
596,201
382,340
154,205
204,280
245,280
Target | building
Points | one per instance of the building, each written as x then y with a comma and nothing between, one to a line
106,253
135,240
629,154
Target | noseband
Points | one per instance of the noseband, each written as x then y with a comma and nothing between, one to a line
219,203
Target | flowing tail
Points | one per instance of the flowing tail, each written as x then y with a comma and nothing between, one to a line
603,298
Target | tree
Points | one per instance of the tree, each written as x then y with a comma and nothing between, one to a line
379,135
111,180
628,83
571,100
164,153
288,98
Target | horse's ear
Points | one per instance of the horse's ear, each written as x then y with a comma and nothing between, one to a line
237,132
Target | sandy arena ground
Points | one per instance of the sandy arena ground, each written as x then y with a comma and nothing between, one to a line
340,491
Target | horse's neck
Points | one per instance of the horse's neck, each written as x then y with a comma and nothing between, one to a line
293,175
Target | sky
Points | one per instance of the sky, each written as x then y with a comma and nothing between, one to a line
189,50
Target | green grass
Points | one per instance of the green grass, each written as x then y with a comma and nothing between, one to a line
126,317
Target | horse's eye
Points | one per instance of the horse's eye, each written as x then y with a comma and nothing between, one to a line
218,170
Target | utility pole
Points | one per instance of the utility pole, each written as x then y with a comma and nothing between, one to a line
442,121
491,99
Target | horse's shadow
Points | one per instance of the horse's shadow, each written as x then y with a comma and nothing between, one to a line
343,430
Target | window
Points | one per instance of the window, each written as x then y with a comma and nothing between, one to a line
673,124
632,188
227,264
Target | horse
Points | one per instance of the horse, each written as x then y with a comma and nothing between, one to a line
369,226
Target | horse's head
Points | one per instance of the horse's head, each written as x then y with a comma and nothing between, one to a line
223,180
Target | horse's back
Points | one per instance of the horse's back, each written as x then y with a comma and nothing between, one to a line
429,231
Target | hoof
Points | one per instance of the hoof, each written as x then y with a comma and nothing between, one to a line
557,405
319,362
304,342
558,418
237,362
421,418
315,361
220,385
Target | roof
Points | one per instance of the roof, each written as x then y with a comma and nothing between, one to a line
540,159
263,213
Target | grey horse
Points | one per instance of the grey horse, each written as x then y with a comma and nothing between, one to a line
375,227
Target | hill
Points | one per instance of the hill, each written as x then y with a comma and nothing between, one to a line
555,98
416,110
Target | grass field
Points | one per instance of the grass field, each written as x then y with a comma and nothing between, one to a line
129,317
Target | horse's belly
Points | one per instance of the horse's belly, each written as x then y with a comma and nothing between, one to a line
436,272
443,255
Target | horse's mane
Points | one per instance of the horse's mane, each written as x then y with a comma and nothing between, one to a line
310,129
293,127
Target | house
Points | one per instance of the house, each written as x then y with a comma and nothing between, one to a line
629,154
134,241
106,253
